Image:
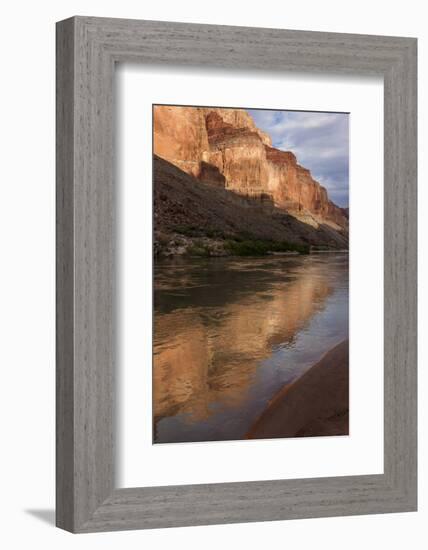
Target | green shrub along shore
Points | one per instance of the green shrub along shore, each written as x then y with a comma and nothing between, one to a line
206,242
262,248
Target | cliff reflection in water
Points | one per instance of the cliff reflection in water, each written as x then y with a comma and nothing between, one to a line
228,333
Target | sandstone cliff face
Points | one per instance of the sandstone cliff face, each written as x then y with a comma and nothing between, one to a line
180,136
225,148
239,118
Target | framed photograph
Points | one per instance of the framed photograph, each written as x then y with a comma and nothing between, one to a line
236,274
250,274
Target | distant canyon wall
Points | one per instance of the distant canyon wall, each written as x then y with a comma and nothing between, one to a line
224,147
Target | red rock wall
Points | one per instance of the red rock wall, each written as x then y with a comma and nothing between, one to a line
224,147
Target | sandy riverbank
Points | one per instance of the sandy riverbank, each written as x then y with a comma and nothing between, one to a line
316,404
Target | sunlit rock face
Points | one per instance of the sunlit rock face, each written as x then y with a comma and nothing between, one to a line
224,147
180,136
239,154
238,118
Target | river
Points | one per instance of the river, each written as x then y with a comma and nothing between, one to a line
230,332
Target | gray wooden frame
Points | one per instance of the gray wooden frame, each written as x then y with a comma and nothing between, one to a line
87,50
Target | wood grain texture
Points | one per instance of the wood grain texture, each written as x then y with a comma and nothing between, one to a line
64,276
87,49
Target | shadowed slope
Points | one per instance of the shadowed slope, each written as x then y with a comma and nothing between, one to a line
184,204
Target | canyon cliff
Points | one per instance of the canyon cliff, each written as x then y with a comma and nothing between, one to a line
224,148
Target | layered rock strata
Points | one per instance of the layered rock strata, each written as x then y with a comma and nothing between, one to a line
223,147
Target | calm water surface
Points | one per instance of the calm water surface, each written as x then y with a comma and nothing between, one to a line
230,332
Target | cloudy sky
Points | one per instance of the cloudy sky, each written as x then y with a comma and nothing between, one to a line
320,142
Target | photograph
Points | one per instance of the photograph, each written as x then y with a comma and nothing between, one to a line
250,251
210,265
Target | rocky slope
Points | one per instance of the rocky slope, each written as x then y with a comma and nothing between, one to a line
224,148
193,216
